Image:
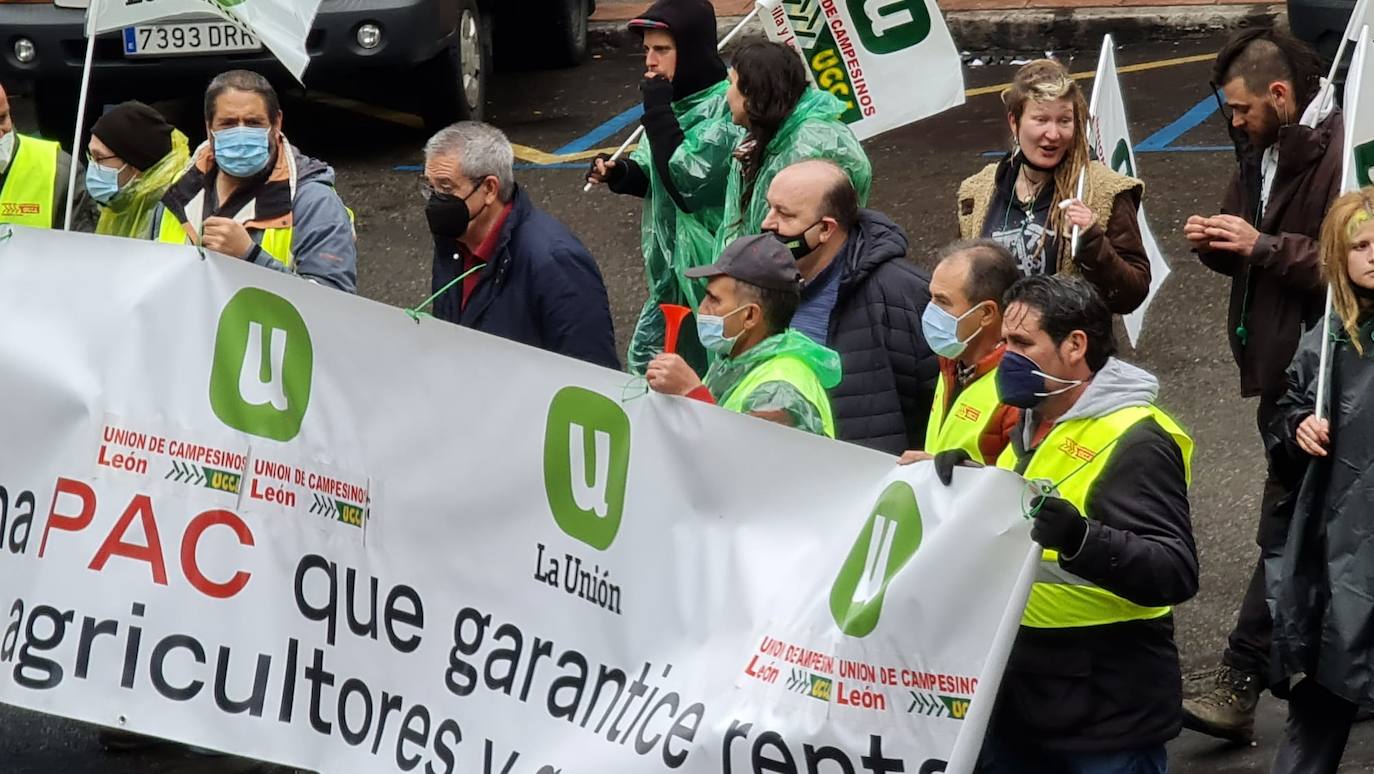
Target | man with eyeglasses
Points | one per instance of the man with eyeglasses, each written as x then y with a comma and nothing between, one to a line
502,265
33,180
250,194
1288,133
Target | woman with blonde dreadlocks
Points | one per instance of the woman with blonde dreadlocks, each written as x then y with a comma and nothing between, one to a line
1027,201
1321,586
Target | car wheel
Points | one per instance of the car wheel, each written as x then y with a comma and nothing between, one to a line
566,38
455,86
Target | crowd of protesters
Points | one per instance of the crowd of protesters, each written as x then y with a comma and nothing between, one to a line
806,309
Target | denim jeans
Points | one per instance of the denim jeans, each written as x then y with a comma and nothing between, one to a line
1003,757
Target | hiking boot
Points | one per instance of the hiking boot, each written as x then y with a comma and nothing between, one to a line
1227,711
1195,684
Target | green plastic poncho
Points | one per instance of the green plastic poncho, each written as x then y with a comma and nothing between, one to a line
130,212
812,131
801,393
674,241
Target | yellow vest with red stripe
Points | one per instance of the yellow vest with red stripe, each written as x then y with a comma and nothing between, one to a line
30,184
1072,457
276,242
963,424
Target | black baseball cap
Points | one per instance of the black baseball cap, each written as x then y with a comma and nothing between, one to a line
759,260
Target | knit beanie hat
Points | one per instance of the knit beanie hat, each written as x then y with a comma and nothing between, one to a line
136,133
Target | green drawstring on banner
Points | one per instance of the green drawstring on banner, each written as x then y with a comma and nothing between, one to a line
634,389
5,232
419,311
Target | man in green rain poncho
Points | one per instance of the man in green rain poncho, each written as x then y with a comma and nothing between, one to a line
133,157
679,169
763,368
787,121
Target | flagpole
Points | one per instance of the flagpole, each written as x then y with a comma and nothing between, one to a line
1325,356
1092,117
639,131
81,112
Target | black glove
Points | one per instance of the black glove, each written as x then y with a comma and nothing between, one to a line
945,462
657,92
613,173
1059,525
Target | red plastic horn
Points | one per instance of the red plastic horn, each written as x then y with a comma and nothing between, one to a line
673,315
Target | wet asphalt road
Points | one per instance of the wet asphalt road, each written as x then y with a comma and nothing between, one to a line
916,171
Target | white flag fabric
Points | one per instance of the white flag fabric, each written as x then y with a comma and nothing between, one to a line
1358,110
280,25
867,53
265,517
1112,141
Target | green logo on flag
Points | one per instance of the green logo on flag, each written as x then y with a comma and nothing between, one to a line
887,541
264,362
1121,158
1364,161
886,26
586,465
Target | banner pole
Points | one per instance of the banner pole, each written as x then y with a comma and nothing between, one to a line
639,131
81,112
1073,245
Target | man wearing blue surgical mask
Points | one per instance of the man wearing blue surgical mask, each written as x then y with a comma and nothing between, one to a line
963,325
33,180
250,194
1093,680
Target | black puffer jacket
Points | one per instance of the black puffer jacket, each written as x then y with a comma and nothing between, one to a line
884,399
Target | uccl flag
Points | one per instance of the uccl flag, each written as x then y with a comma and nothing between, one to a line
1112,139
281,25
866,52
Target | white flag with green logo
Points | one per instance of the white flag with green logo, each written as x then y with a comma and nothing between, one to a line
1358,168
892,62
280,25
1111,137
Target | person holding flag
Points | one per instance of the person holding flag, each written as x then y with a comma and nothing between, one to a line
1029,203
1321,583
250,194
680,168
963,323
135,156
787,120
1290,137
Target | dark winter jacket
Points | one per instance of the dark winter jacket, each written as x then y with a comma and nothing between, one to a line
1277,292
884,398
1321,588
542,288
1115,687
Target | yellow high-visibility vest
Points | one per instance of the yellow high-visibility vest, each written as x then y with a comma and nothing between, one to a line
1072,456
31,183
963,424
276,242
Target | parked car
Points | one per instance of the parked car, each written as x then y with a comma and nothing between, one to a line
434,56
1321,23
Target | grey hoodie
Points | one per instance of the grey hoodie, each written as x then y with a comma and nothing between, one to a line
1116,386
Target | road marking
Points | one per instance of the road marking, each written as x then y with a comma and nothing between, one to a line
1162,139
577,149
1085,76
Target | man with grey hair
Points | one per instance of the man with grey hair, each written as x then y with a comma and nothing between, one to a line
250,194
502,265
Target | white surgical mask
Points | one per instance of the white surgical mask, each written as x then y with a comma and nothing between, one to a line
6,150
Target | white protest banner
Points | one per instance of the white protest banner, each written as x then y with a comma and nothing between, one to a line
258,515
1112,141
280,25
866,52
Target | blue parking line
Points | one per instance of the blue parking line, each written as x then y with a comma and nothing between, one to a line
598,135
1162,139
